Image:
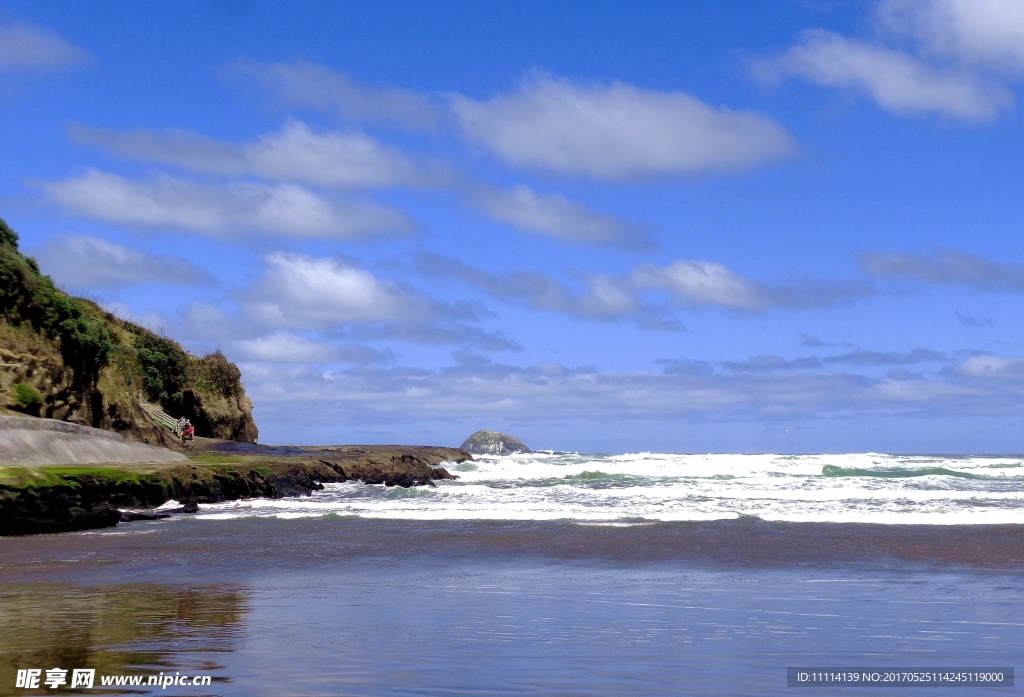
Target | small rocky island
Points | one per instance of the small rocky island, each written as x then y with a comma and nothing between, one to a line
493,443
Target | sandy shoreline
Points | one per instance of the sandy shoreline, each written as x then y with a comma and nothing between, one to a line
224,550
357,606
361,607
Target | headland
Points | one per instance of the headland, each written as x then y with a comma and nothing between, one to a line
89,405
63,497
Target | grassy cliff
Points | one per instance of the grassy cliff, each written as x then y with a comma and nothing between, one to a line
65,358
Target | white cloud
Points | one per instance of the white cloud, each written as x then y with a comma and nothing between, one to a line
301,82
165,201
444,333
208,322
989,32
685,391
303,309
695,282
603,297
23,47
608,296
946,267
286,347
703,283
896,81
611,298
919,391
555,216
80,261
618,131
300,292
295,153
878,358
992,367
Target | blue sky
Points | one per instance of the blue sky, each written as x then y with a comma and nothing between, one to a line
732,226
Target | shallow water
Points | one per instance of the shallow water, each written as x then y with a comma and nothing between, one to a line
349,606
862,488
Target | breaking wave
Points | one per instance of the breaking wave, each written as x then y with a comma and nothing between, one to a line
833,471
650,487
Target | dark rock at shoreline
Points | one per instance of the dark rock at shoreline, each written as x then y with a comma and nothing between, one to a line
493,443
55,516
131,516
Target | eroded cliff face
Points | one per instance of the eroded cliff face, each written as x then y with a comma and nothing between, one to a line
66,358
215,415
112,403
31,359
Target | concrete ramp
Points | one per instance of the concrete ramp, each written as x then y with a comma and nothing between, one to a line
30,441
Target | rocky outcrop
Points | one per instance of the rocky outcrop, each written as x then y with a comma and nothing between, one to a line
30,360
66,358
216,415
57,499
391,465
493,443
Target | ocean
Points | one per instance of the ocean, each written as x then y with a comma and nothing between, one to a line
548,574
645,487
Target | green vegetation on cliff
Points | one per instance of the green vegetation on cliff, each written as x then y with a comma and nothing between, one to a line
28,399
66,358
28,296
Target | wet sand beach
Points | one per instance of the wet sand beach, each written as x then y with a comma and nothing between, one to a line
236,548
349,606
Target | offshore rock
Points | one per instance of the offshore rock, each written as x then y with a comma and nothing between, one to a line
493,443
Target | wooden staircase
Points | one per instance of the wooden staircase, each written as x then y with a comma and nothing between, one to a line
160,416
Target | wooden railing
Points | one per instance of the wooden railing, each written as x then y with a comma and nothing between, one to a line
160,416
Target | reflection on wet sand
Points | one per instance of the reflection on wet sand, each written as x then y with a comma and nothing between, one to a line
334,606
117,629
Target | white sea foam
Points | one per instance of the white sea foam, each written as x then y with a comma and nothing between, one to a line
867,488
